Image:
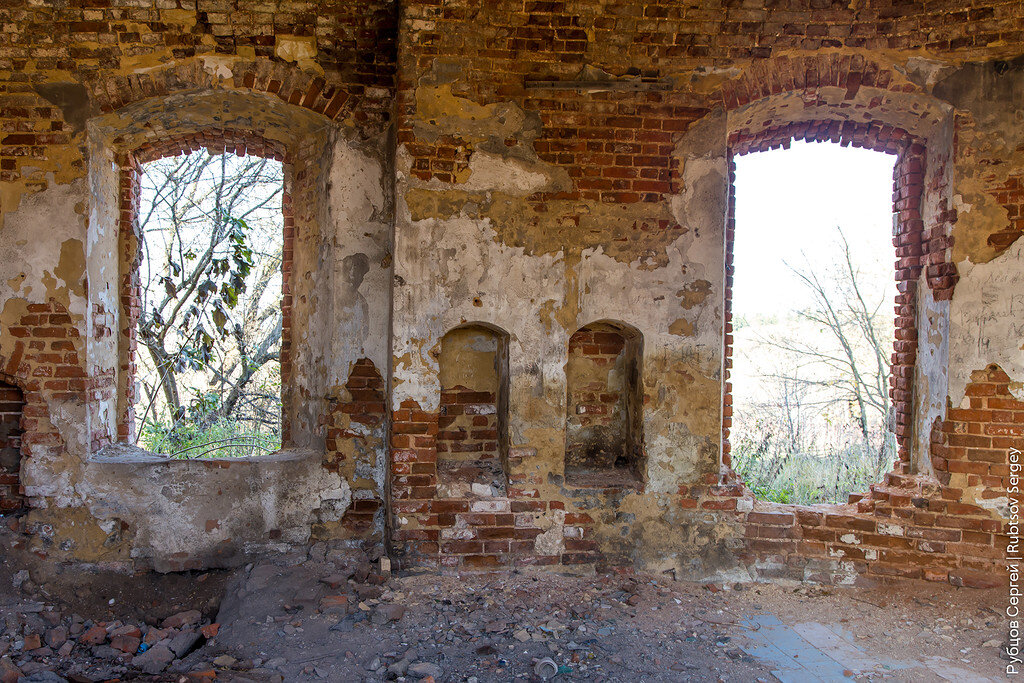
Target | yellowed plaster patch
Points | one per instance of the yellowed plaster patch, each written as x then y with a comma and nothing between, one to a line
681,327
694,293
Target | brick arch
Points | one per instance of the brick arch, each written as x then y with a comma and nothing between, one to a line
290,84
778,75
917,250
215,141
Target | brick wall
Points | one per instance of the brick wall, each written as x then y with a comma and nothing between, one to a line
467,440
908,526
101,44
352,425
12,403
44,363
473,532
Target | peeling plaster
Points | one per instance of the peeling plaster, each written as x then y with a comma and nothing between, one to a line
987,321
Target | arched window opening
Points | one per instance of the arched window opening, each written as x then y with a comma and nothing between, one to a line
472,445
604,422
812,321
209,235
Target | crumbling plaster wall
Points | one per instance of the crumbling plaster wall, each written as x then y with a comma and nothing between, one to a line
118,503
533,209
480,249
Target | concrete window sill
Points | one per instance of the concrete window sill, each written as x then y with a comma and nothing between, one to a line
127,454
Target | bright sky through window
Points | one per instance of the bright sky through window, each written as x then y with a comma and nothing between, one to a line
788,205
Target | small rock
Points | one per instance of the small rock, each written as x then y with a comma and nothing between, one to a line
399,668
180,619
224,661
391,612
424,670
56,637
97,635
9,673
155,635
182,643
125,644
210,630
154,660
521,635
19,578
130,630
32,642
335,580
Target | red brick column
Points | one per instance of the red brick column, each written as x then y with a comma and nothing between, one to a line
12,405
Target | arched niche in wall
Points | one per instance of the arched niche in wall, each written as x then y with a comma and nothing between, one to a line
472,443
604,418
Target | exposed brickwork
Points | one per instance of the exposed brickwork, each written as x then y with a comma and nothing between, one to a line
12,403
467,437
807,73
45,365
908,526
616,146
351,425
598,410
130,253
1010,195
224,141
916,248
472,533
970,447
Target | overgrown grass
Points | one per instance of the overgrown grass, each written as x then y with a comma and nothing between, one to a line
225,438
806,471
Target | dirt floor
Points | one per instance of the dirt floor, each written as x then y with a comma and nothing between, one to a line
330,615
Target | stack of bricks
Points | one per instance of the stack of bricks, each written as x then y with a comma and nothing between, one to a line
12,405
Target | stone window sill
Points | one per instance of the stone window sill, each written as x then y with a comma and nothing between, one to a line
127,454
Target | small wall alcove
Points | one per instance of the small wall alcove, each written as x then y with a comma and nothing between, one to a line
472,446
604,421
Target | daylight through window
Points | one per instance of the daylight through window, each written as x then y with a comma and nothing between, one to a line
208,379
813,321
